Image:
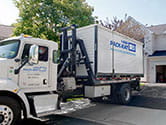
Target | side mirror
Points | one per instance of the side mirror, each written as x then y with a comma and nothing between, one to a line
33,54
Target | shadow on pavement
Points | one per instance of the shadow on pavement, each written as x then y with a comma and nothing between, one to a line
148,102
32,122
144,102
65,120
59,120
151,96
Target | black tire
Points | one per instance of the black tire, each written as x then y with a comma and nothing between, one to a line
124,95
14,106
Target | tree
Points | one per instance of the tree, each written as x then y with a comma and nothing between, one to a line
44,18
127,26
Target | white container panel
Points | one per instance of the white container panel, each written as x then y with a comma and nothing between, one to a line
128,58
87,35
128,54
104,54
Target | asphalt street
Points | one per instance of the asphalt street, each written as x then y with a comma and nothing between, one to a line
143,110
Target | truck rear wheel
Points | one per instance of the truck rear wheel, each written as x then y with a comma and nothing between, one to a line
10,111
124,95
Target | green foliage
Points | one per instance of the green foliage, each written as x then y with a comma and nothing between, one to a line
44,18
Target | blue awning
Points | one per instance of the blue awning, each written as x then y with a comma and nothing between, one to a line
159,53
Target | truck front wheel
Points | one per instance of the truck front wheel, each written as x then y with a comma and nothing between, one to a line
124,94
10,111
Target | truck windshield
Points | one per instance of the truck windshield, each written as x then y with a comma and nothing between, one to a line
9,49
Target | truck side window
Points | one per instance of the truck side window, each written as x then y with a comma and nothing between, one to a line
55,56
43,53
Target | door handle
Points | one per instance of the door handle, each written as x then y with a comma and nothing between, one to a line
44,81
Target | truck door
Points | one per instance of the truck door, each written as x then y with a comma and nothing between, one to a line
35,76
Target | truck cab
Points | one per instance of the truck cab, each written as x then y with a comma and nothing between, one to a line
28,68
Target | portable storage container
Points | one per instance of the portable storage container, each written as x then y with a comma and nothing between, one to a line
110,52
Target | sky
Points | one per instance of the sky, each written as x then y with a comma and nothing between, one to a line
8,12
151,12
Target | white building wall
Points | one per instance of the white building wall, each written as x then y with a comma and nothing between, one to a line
145,69
159,43
153,43
148,44
148,50
151,67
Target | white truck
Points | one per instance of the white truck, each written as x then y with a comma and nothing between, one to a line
94,60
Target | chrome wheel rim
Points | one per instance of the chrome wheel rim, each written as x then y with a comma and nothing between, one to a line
6,115
127,94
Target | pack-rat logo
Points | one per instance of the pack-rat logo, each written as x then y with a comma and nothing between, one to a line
124,45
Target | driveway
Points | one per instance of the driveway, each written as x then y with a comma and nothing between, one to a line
146,108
